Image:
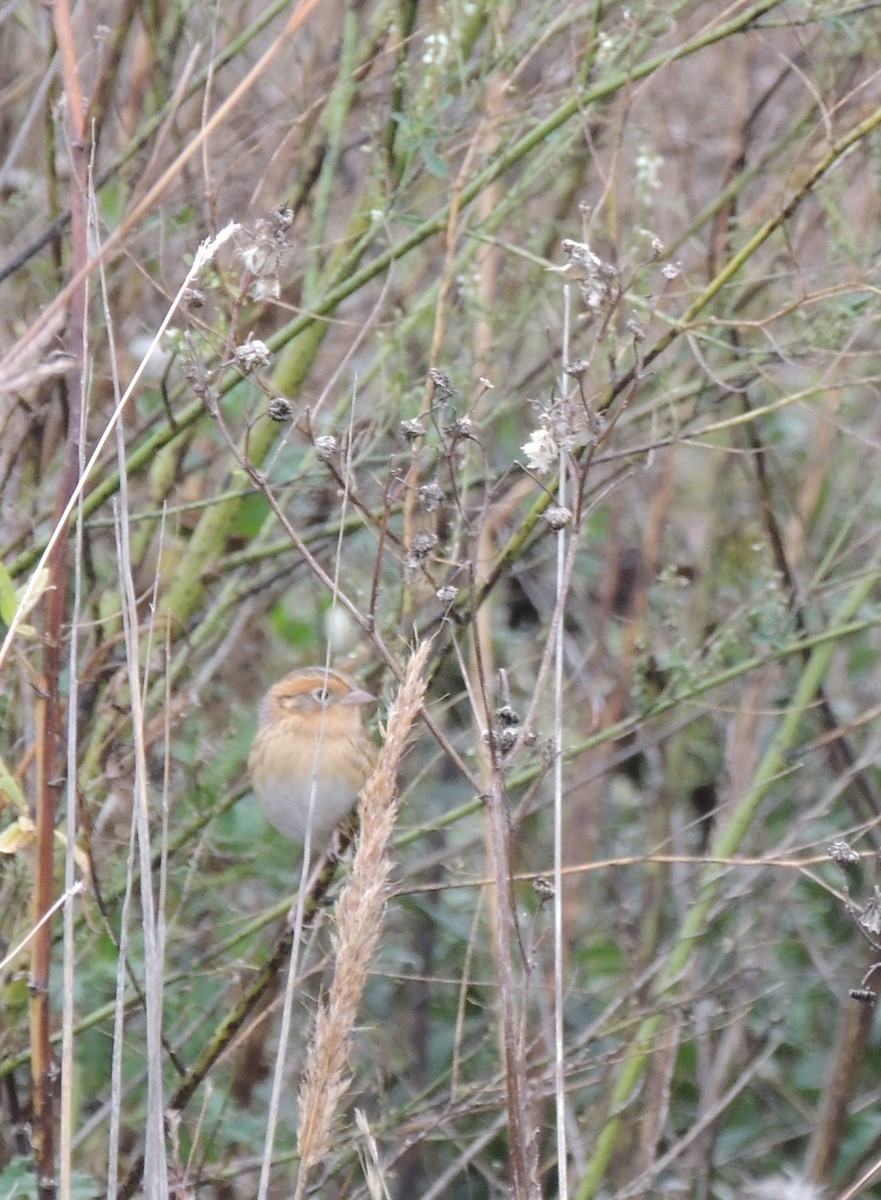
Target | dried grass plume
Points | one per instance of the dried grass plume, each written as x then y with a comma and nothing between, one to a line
359,914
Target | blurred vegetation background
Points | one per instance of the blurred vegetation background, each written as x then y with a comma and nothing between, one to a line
548,331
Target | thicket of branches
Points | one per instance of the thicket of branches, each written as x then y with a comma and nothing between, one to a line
523,358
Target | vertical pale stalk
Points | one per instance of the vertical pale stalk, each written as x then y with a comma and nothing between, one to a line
65,1156
559,639
155,1169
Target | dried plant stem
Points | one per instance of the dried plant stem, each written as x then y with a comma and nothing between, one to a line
152,918
359,915
49,728
521,1142
852,1033
503,921
67,1115
559,947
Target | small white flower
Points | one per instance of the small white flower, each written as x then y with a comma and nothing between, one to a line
647,167
435,49
541,451
605,47
671,270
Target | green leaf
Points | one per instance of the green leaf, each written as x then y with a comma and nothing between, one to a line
8,601
9,607
17,1182
10,789
17,1179
433,161
251,516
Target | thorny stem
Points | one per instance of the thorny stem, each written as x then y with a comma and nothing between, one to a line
49,725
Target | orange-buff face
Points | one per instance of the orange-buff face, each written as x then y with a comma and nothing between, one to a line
310,756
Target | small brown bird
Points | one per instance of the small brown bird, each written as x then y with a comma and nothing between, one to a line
310,752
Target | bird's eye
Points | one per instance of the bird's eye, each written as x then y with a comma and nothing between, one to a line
321,694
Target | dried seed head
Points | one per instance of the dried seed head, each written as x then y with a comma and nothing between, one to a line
637,328
503,740
843,854
557,517
412,429
447,594
460,428
200,381
282,218
595,278
506,740
430,497
260,258
577,369
864,995
280,409
582,263
325,447
543,888
266,287
442,382
266,251
506,715
422,545
251,355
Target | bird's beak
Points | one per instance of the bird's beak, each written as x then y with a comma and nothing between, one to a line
358,696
